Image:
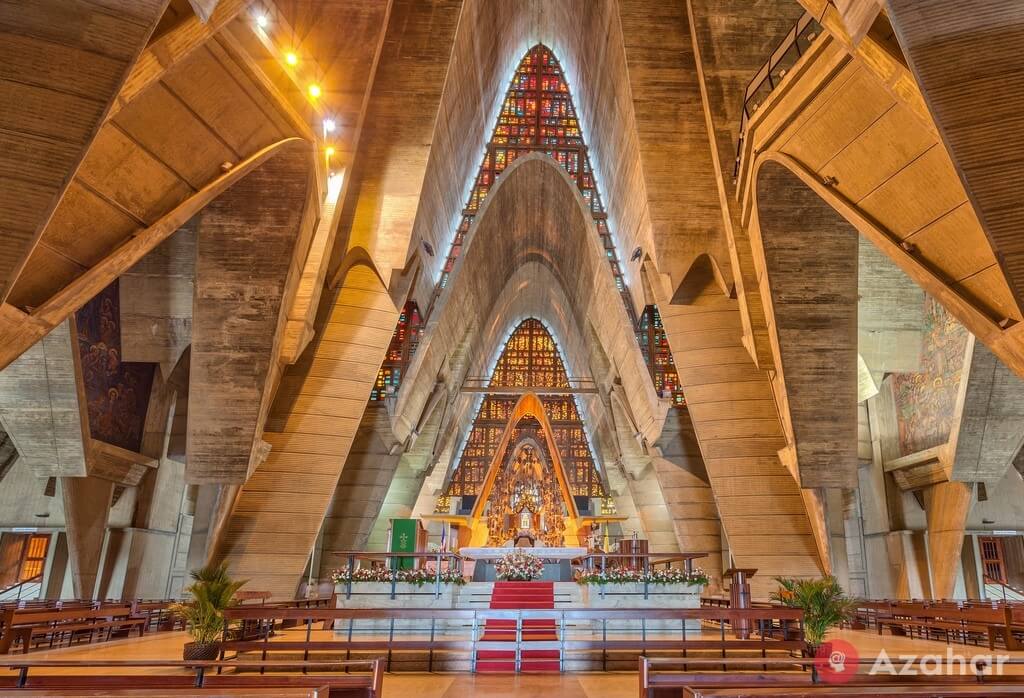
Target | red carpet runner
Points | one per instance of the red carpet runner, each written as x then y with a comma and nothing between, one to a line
513,595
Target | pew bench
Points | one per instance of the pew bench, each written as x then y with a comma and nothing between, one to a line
191,692
28,626
936,690
199,677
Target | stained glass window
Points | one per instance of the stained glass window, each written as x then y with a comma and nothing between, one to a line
404,342
658,356
530,359
538,116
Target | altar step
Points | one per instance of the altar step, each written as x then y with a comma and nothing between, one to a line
514,596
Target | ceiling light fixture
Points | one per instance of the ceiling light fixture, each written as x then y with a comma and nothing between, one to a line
291,59
637,254
329,125
262,21
329,151
315,91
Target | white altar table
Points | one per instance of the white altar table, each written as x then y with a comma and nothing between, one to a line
543,553
556,561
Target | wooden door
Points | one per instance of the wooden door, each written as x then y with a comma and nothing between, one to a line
992,560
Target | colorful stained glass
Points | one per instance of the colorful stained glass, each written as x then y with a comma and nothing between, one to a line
530,359
404,342
658,356
538,116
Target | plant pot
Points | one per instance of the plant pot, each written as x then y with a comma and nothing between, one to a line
205,651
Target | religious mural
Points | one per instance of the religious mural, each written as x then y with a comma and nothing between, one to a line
926,400
116,391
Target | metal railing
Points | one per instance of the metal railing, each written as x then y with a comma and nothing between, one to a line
775,630
779,63
444,562
27,590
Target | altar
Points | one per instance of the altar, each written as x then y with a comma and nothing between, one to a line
557,561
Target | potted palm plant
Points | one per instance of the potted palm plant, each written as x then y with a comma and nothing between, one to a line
212,591
824,603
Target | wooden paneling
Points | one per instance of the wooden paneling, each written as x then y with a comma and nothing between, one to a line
888,172
62,64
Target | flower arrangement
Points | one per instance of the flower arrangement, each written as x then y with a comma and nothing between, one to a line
621,575
419,578
519,566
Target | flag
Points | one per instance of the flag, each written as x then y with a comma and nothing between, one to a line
403,540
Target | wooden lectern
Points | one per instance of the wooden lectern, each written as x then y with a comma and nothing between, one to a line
739,597
633,546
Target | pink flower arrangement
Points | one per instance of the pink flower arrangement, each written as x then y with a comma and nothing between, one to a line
420,577
519,566
619,575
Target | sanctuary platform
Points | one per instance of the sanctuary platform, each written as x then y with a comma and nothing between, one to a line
557,562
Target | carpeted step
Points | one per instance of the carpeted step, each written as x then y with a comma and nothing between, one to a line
516,596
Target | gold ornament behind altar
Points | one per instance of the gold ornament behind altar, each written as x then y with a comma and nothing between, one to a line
526,498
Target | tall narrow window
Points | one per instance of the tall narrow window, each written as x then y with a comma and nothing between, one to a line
658,356
404,343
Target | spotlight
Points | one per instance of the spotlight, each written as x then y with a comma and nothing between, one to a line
314,91
291,59
428,248
329,151
329,125
637,254
262,21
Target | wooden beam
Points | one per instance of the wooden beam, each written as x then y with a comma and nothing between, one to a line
171,49
23,331
65,60
947,506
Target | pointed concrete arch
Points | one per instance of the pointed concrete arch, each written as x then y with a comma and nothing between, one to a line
764,513
529,405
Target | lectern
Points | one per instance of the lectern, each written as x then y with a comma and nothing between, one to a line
739,597
633,546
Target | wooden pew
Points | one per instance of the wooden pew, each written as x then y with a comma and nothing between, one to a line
797,677
26,625
203,681
192,692
921,691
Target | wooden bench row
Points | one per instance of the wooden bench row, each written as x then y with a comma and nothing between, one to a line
32,627
797,678
952,622
244,679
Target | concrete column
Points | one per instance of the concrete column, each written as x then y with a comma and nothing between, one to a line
947,505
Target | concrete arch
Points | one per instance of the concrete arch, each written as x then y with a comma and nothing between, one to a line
805,259
762,509
535,218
